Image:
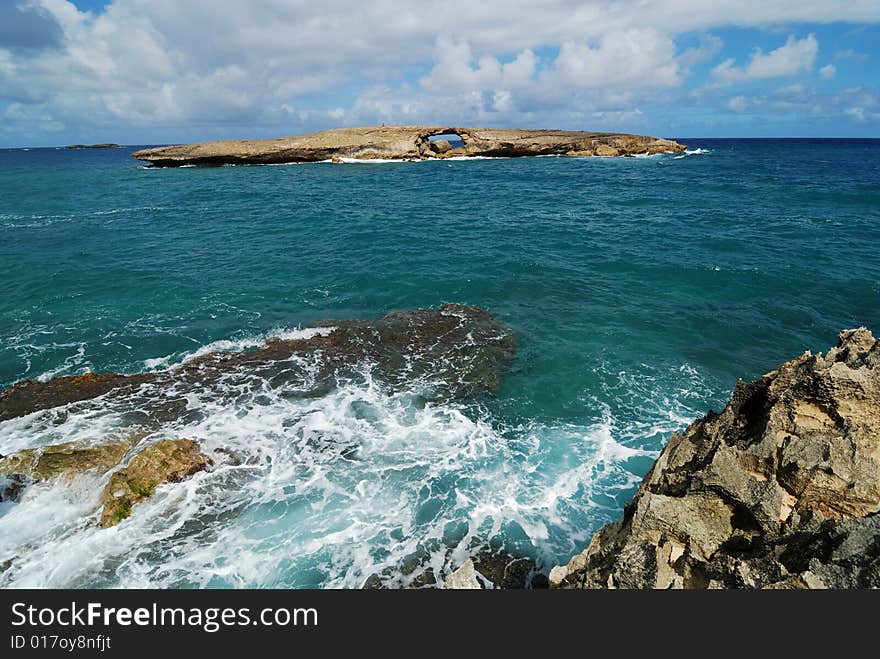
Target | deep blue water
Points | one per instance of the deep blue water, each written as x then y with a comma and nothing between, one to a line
640,290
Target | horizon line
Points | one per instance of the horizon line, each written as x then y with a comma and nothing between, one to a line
676,137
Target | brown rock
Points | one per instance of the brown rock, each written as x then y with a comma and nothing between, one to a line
782,489
441,146
606,150
48,462
464,349
11,487
402,142
167,461
31,395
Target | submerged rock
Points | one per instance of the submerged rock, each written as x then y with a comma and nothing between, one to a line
167,461
780,490
451,352
12,486
489,566
504,570
32,395
405,143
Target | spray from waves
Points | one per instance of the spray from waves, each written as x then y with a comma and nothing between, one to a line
325,492
236,345
15,221
330,491
333,487
693,152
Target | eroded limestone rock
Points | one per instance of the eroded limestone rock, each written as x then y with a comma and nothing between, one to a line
405,143
167,461
781,489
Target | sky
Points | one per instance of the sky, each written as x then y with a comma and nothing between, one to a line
166,71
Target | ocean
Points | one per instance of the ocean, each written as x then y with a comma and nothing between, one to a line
638,289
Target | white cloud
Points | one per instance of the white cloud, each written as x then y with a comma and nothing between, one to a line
828,71
795,56
710,45
610,74
270,66
454,68
738,104
618,59
810,103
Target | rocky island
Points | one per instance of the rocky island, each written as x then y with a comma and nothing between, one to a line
406,143
93,146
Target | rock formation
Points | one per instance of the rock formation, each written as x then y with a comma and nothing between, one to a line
107,145
31,395
47,462
489,565
779,490
457,351
464,578
167,461
11,487
405,143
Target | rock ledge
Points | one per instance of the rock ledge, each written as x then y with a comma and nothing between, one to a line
779,490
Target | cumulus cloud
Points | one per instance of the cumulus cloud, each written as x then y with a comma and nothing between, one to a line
709,46
618,59
807,102
454,68
795,56
828,71
221,67
598,75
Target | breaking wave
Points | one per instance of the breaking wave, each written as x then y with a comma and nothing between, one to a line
360,482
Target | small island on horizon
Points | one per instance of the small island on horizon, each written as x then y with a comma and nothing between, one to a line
407,143
107,145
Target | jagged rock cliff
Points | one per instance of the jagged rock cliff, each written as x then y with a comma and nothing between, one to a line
780,490
406,143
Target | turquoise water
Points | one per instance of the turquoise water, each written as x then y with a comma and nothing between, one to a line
640,290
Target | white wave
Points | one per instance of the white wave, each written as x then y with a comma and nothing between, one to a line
326,492
377,161
73,363
473,158
697,152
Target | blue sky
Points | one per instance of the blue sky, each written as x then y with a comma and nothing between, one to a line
158,71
